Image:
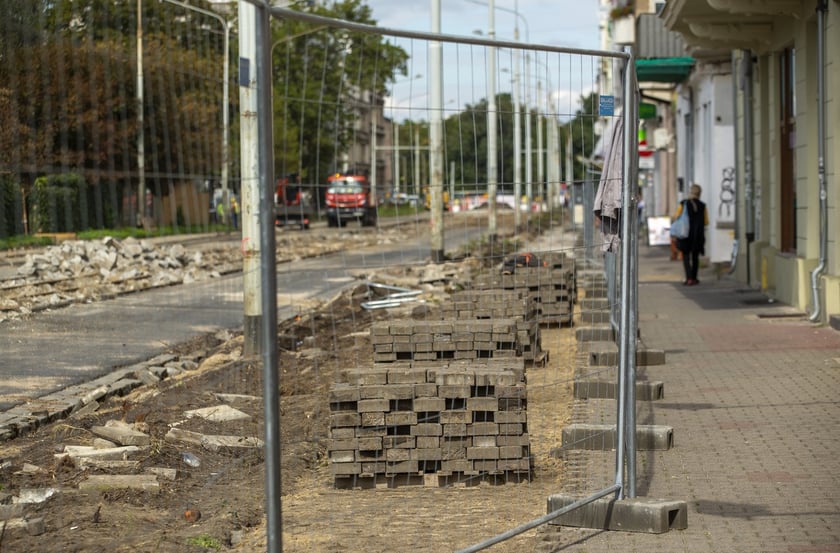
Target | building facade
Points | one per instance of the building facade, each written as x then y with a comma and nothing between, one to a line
756,122
783,63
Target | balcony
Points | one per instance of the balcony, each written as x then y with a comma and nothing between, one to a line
712,28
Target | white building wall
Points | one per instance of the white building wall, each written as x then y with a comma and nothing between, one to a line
707,156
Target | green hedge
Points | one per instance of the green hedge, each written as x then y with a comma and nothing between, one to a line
11,208
67,203
57,205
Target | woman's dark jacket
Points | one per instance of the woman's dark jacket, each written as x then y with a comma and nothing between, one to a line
696,240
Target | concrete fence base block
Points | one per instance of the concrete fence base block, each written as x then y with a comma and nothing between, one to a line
593,291
594,316
599,304
598,333
602,437
606,354
639,514
606,389
595,333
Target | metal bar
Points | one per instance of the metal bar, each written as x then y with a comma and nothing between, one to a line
540,521
268,280
626,341
286,13
436,140
633,323
823,190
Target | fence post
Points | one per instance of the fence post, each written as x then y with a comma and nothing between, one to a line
626,428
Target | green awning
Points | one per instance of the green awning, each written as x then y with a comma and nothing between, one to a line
664,70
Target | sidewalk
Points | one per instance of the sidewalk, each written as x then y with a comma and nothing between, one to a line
751,391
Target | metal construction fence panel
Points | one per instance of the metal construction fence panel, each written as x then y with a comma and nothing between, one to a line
267,258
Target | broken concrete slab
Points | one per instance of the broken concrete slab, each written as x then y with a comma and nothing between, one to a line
218,413
187,436
217,443
145,482
85,463
32,526
29,468
116,453
34,495
121,433
147,377
213,442
15,510
236,397
164,473
85,410
102,443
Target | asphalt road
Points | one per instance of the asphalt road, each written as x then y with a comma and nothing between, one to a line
56,349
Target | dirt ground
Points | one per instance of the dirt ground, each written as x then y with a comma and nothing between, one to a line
219,505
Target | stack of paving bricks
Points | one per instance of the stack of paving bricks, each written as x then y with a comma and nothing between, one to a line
551,286
519,305
445,403
444,340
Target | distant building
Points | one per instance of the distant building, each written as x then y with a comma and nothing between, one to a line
744,118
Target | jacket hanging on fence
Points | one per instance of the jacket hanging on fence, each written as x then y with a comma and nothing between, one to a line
608,198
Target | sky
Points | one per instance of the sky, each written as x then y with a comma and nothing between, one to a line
556,81
572,23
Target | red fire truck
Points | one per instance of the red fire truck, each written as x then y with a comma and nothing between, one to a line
349,198
291,203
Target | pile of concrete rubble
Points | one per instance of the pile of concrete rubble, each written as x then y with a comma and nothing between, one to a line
81,271
118,260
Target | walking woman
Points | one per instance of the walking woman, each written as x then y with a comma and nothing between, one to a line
694,245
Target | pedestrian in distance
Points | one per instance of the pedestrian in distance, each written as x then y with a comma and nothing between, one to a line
694,245
220,213
234,212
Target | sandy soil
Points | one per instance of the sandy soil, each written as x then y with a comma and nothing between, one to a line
227,488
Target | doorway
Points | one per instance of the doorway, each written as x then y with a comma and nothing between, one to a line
787,153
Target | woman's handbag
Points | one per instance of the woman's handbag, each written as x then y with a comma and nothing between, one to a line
679,228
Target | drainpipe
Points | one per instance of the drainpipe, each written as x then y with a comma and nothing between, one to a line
735,245
822,7
749,190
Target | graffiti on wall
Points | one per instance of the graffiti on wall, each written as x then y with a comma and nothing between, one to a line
726,203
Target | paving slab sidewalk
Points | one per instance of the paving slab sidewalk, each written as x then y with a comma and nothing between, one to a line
752,390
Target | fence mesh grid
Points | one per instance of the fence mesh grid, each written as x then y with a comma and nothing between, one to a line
423,405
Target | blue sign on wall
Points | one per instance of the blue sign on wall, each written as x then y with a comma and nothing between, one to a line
606,105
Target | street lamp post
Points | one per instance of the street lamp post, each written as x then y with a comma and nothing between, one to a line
517,179
225,93
492,161
397,187
141,158
436,139
517,138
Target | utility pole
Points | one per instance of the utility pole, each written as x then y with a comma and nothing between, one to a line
529,163
436,139
140,207
540,153
225,95
374,196
492,232
417,161
396,158
517,138
250,177
258,241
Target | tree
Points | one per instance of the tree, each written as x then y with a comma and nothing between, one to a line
581,131
68,96
324,79
465,136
